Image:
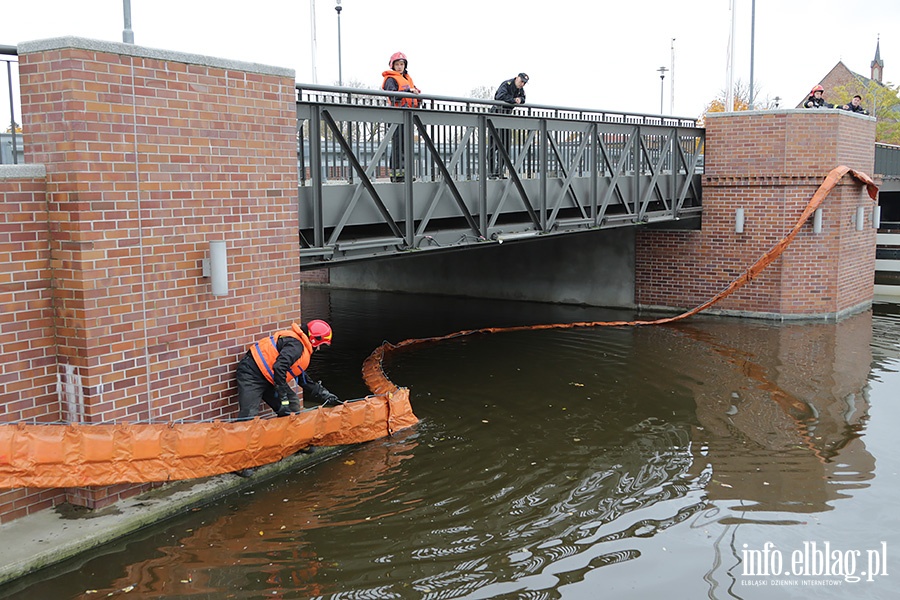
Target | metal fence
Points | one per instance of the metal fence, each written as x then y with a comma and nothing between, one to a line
462,171
887,160
11,148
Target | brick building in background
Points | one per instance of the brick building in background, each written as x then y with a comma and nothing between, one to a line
840,76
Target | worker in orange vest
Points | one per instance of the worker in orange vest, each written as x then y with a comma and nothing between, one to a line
265,371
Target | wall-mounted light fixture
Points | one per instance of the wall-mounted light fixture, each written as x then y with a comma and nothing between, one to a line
216,268
876,217
817,221
860,217
739,220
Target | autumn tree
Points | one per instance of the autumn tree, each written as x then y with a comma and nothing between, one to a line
482,92
741,101
879,100
355,83
358,129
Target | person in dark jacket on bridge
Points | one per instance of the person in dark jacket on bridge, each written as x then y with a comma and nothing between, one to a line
511,91
265,371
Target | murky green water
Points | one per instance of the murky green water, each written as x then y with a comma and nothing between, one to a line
688,461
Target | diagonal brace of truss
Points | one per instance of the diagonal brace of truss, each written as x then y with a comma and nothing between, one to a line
348,151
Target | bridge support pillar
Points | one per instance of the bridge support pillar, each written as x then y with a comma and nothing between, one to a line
147,157
762,168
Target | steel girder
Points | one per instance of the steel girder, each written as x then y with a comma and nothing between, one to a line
560,175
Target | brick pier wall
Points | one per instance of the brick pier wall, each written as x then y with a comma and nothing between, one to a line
149,156
27,332
770,164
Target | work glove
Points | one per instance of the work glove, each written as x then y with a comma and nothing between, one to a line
315,391
290,403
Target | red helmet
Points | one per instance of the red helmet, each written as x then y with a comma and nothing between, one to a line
818,88
395,57
319,332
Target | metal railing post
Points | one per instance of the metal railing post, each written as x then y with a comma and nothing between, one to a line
315,173
636,170
595,173
409,163
482,172
545,172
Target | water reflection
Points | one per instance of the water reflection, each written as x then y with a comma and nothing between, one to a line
547,464
781,410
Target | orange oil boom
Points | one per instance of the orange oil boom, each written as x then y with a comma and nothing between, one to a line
76,455
378,382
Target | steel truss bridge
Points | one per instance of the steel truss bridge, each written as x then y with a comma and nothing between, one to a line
563,170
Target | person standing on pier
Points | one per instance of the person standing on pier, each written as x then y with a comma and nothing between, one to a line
398,79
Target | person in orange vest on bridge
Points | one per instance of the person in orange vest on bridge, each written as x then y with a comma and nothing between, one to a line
398,79
265,371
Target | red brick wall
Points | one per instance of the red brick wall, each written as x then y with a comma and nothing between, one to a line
316,276
770,164
149,157
28,369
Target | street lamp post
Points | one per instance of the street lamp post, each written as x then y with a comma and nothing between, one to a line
662,76
127,33
340,70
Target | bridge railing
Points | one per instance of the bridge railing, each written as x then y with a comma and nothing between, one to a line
11,148
377,179
887,160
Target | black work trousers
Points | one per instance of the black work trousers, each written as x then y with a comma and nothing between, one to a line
253,387
398,156
495,158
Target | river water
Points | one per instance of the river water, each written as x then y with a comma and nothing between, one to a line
715,458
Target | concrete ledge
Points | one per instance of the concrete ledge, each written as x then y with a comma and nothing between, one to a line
55,535
123,49
764,316
23,171
789,111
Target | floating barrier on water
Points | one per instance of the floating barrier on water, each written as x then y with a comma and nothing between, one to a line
78,455
378,382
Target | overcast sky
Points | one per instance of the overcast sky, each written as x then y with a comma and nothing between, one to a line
578,53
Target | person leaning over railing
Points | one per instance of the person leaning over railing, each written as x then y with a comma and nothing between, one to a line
855,105
398,79
511,91
817,98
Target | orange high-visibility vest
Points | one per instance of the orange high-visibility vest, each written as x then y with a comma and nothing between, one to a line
265,352
404,84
